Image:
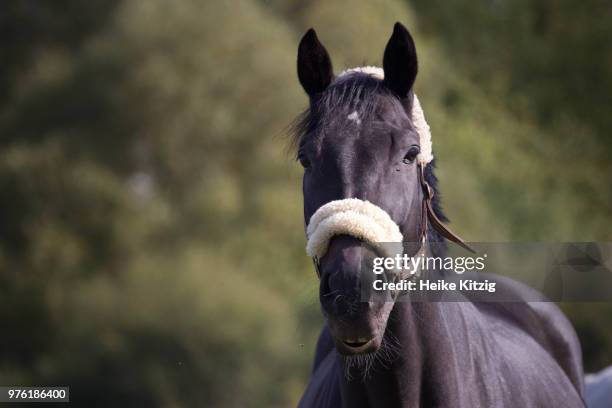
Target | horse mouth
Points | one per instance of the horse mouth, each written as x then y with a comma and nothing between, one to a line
357,345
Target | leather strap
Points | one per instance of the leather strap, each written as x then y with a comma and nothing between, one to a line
317,265
435,222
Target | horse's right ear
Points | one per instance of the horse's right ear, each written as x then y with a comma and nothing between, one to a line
313,64
400,61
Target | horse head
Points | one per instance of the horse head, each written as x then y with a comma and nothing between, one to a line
362,143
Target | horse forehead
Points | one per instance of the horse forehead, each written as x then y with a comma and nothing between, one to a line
351,137
353,141
394,115
387,115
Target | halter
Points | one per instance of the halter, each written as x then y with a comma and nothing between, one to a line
428,215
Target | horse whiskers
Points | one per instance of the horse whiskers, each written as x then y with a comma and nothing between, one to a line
333,292
362,362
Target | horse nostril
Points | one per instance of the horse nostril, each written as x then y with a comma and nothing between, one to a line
340,277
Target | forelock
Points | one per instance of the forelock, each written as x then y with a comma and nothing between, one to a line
354,93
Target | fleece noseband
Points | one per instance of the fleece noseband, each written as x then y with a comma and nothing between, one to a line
368,222
352,216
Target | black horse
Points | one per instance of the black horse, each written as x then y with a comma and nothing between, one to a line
357,140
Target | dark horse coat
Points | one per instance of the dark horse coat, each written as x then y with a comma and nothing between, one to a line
460,354
359,139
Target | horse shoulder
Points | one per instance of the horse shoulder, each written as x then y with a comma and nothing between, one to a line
323,390
562,340
325,344
546,324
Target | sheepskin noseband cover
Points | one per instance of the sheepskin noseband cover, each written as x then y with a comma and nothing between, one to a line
358,218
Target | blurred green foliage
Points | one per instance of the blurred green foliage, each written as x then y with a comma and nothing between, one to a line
151,234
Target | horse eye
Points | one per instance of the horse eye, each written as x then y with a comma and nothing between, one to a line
413,152
303,160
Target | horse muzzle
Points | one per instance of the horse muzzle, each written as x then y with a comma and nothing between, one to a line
344,237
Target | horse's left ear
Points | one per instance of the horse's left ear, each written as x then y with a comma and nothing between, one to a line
400,61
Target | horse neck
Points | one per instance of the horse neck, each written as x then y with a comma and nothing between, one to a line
380,386
413,330
424,346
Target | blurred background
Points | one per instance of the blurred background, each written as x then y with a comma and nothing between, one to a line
151,230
